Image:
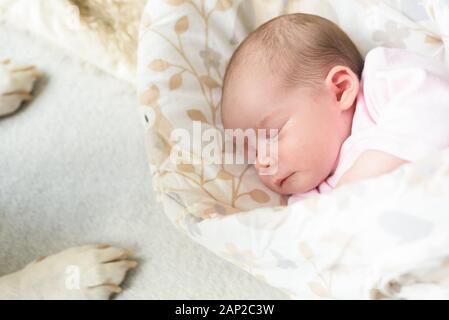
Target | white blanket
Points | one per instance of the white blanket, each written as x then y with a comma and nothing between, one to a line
388,237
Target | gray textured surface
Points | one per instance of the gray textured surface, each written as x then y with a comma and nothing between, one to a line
73,171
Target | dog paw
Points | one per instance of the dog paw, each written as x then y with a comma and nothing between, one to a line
16,84
89,272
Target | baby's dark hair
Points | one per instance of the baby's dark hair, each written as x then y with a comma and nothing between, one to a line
300,48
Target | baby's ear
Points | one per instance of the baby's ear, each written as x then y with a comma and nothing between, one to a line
344,85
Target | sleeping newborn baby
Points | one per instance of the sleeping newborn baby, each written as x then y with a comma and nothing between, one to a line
338,118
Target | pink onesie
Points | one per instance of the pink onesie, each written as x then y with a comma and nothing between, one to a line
402,109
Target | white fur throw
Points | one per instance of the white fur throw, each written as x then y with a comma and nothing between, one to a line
102,32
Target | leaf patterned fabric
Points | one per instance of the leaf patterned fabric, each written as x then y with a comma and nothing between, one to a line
345,244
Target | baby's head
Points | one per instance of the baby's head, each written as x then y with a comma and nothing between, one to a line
298,74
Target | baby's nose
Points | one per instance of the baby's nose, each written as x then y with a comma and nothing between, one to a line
263,163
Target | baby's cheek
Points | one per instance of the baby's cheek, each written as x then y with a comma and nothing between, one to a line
291,150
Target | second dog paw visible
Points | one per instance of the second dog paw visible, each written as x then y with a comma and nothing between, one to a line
16,84
89,272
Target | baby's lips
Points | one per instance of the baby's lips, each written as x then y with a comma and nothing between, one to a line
279,181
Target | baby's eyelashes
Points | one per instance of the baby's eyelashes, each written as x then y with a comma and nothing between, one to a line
271,133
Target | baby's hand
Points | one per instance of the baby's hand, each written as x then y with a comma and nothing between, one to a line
371,164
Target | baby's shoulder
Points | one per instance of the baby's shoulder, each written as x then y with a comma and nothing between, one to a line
394,78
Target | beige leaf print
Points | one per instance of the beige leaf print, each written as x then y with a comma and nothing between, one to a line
259,196
175,2
209,82
223,5
182,25
175,81
433,39
207,213
225,210
196,115
305,250
150,96
185,167
160,148
159,65
223,175
318,289
445,263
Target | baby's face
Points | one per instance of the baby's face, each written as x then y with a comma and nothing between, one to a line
311,128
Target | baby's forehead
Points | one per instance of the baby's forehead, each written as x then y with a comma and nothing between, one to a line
250,110
250,87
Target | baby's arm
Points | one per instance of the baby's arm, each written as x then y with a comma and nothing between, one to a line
371,164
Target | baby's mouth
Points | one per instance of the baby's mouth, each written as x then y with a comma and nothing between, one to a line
280,182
